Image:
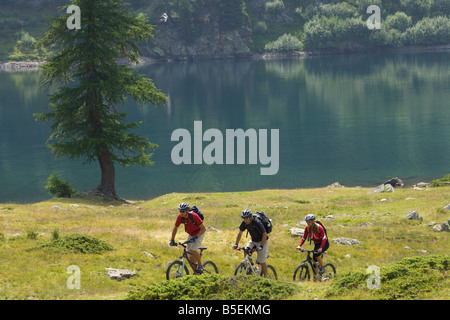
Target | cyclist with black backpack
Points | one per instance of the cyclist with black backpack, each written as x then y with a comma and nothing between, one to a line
193,225
259,237
316,232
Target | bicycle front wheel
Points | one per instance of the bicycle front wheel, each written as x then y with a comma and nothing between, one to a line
242,270
175,270
210,267
329,272
271,273
302,273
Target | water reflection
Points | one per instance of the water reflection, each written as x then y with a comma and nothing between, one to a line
357,119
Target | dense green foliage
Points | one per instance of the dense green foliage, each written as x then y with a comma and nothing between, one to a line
322,24
445,181
77,243
58,187
286,42
406,279
215,287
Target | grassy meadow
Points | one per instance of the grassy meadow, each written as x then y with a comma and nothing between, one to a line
31,270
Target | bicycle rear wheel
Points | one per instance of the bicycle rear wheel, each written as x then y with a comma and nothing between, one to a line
210,267
271,273
301,273
329,272
175,270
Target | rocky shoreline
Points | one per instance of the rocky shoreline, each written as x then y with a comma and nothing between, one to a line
20,66
8,66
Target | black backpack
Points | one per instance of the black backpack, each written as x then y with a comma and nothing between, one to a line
265,221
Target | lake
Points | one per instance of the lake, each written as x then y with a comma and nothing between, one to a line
358,119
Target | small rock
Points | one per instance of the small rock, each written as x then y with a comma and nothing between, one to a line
211,228
347,241
447,207
413,215
335,185
366,224
422,184
297,232
148,254
330,217
119,274
407,248
382,188
348,256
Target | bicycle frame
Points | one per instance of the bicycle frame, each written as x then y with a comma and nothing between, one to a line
248,261
310,260
185,256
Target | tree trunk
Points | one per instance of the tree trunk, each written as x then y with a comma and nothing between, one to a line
107,185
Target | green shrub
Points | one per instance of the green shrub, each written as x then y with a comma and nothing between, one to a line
31,234
59,188
429,31
215,287
445,181
284,43
78,243
274,8
407,279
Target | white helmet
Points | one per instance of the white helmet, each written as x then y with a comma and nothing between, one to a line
310,217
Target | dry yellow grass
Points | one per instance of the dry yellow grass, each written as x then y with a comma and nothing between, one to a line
145,226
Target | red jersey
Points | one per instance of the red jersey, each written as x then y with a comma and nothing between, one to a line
191,226
319,237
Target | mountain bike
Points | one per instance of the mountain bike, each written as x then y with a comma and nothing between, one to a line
178,268
302,271
250,265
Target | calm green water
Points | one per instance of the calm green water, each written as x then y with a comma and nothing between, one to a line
357,119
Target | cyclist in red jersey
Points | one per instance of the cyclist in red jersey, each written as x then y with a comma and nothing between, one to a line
193,225
317,234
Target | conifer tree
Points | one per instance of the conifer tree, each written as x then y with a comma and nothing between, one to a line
85,121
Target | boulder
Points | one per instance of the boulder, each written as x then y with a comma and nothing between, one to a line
382,188
297,232
347,241
413,215
119,274
395,182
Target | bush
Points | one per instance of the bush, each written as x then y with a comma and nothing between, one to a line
284,43
274,8
429,31
399,21
59,188
445,181
407,279
31,234
215,287
77,243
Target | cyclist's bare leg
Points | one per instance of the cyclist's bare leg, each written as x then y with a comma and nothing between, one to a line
196,255
319,258
264,269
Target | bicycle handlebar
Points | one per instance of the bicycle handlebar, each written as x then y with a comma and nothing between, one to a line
247,250
312,251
